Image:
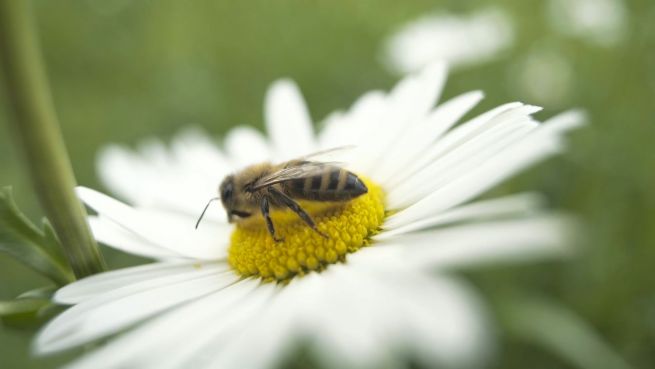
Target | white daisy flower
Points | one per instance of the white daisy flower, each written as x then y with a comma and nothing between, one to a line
462,40
544,76
601,22
373,294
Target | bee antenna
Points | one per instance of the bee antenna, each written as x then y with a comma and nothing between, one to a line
203,212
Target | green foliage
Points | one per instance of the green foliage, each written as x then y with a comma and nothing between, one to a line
40,251
37,249
24,313
558,330
30,309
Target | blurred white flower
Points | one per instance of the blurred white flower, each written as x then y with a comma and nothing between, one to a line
373,307
543,76
460,40
603,22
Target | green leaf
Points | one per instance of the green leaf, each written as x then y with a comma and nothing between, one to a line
43,293
51,242
24,313
38,250
560,331
21,306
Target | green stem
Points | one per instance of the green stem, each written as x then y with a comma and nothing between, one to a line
38,133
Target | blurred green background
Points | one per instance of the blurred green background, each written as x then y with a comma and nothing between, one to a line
124,70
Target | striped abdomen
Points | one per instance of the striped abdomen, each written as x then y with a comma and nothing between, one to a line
334,184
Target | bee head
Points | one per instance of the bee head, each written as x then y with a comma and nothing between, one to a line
226,191
230,199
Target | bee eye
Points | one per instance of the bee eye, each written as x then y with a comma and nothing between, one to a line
227,191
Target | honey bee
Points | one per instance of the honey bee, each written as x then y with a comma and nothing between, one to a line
265,186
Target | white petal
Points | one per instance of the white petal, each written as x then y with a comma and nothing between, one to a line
247,146
493,118
513,205
430,153
467,131
265,320
172,231
288,122
407,105
458,162
100,284
567,120
198,169
181,179
415,140
193,151
271,331
419,92
518,240
354,126
352,319
540,144
119,309
208,321
122,171
112,234
446,322
368,318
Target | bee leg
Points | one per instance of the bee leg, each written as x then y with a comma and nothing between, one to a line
265,208
296,208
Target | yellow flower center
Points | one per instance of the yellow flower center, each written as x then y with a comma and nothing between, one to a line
349,226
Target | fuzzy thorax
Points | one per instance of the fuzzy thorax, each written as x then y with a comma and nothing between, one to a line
349,227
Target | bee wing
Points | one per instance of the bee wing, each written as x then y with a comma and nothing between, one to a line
296,170
333,154
307,166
